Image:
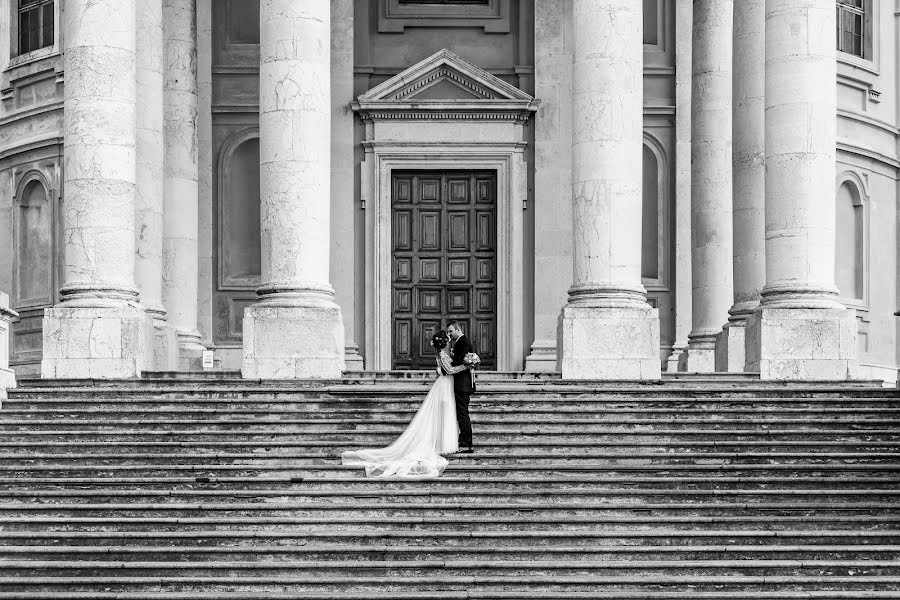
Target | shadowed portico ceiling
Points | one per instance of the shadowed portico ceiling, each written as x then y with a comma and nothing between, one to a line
445,86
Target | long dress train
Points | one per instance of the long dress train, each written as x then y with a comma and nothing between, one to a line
417,452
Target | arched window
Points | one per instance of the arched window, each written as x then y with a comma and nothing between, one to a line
849,264
34,258
650,217
240,243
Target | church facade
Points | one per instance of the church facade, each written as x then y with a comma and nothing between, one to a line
606,188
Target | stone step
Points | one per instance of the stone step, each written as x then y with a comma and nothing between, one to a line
354,482
613,592
487,444
481,552
456,522
215,471
487,508
573,434
18,573
587,456
546,496
582,537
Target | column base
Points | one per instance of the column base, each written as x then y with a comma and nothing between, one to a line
164,344
190,350
802,344
609,342
95,342
673,364
7,381
284,341
729,351
543,357
352,360
700,354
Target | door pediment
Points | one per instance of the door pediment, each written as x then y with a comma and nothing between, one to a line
444,82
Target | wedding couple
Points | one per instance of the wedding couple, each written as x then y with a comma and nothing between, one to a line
441,425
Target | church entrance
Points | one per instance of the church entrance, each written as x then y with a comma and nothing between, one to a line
444,263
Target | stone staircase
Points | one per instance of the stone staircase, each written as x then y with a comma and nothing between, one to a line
220,488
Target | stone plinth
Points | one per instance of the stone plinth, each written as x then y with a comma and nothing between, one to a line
729,349
609,343
700,355
95,342
797,344
7,376
284,341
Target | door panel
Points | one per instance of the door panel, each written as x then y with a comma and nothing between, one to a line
444,262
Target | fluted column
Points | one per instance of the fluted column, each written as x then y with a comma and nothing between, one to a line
800,330
150,153
296,329
608,330
97,330
749,185
181,261
711,242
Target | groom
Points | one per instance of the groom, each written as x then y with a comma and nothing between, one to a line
462,384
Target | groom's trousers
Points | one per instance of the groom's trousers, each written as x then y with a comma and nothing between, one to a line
462,417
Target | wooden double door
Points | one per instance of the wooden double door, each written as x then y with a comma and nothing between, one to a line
444,266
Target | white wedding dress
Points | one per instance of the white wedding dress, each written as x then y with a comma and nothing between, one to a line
432,432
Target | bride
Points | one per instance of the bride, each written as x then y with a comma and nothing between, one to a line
432,432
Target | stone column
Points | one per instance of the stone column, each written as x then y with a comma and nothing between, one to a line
800,330
181,260
344,209
608,330
710,180
749,183
296,329
552,177
97,329
683,36
7,375
149,182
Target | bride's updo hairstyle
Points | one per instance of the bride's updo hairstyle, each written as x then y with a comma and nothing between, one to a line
440,340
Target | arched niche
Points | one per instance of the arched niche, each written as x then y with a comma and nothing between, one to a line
657,237
35,263
850,239
34,245
238,250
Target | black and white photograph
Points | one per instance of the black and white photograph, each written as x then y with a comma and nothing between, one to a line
449,299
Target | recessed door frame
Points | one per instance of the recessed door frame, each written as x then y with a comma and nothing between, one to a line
508,160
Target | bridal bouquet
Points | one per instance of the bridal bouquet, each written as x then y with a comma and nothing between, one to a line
471,360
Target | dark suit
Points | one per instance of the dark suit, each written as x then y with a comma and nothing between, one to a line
462,390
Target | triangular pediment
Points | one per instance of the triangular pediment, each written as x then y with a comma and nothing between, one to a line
444,79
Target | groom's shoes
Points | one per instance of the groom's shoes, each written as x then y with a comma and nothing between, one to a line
468,450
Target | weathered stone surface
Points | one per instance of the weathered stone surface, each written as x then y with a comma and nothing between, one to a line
99,330
95,342
181,191
607,329
609,343
99,109
784,343
711,177
297,329
293,341
729,349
